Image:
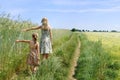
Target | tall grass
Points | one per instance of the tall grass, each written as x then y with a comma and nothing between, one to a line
10,53
110,42
94,62
13,56
57,66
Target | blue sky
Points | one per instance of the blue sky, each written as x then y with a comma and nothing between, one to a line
82,14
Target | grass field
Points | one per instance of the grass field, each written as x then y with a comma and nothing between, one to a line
99,54
13,56
110,41
99,58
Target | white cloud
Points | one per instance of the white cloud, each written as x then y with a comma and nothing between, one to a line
84,2
69,2
16,12
112,9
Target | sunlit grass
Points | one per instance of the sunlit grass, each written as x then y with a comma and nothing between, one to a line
96,61
110,41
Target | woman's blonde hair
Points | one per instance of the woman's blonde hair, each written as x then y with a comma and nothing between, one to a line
44,19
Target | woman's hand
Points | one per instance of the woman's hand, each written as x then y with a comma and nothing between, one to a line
17,40
24,30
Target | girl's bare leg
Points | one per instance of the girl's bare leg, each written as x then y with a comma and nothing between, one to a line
32,68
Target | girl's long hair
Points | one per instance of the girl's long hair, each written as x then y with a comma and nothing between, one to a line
35,37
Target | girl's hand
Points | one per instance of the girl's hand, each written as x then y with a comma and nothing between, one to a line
17,40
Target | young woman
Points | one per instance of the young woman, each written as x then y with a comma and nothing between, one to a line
46,38
33,56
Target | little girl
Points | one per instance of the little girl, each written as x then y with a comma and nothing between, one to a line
33,56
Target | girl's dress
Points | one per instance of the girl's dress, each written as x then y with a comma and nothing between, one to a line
33,58
45,43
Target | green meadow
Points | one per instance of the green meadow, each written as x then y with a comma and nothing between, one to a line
99,54
13,56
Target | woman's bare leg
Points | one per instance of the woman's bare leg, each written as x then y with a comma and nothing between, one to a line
46,56
43,56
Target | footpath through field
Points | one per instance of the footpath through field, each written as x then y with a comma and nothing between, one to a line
74,62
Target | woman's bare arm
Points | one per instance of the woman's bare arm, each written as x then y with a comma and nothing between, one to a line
50,35
25,41
33,28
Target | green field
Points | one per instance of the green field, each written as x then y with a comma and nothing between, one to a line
99,59
13,56
99,54
110,41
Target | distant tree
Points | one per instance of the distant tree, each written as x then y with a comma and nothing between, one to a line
113,31
83,30
73,30
95,31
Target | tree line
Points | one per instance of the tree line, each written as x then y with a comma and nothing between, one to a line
83,30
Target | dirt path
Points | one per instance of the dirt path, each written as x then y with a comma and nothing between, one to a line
74,62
